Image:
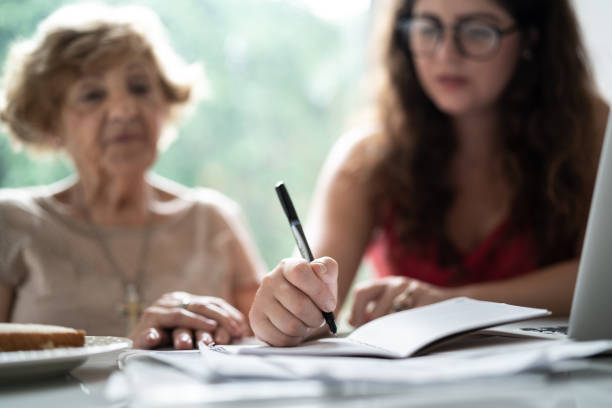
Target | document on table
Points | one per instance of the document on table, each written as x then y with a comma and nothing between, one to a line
487,358
405,333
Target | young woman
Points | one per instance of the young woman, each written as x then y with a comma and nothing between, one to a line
102,84
475,181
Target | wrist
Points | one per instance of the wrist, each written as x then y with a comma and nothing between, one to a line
459,291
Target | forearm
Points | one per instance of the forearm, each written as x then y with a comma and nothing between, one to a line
6,302
550,288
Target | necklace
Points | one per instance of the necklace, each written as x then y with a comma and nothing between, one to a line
132,307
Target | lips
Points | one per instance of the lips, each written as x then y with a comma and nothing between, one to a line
126,138
452,81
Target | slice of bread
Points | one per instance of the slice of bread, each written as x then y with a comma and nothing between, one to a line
17,336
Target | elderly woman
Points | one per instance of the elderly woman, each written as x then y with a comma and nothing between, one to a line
92,251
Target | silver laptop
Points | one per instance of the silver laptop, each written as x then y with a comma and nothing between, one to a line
591,313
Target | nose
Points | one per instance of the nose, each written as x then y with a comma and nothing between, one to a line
122,107
448,49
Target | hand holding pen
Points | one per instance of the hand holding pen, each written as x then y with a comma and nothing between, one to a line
300,239
289,303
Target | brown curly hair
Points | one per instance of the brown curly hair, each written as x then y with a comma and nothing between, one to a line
77,39
548,137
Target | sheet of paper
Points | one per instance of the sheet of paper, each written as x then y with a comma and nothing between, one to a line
331,346
403,334
493,360
173,378
449,366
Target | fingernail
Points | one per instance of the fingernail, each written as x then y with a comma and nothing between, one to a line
330,305
151,337
322,267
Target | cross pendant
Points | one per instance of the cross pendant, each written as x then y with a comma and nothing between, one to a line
132,307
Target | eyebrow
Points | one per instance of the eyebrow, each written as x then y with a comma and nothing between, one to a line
137,66
468,16
489,16
89,79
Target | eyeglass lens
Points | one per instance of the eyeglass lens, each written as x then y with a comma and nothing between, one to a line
472,38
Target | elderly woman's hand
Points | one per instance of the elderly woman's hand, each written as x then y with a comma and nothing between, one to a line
183,320
379,297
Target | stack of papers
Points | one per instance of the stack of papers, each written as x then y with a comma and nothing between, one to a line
318,365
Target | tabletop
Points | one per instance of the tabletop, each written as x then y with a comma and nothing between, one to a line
575,383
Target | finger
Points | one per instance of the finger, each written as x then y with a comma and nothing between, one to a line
287,322
212,307
149,338
221,315
182,339
384,304
235,313
172,299
406,299
168,302
265,300
293,309
203,336
363,295
267,332
222,336
162,317
326,269
300,274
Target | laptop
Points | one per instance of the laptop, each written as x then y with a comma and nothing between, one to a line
591,313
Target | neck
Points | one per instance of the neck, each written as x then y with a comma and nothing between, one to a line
113,200
477,135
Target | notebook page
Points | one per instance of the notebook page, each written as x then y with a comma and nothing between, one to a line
330,346
404,333
407,332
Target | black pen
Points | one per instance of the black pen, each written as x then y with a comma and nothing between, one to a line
300,238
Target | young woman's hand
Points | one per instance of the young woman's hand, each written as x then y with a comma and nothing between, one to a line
288,305
379,297
182,320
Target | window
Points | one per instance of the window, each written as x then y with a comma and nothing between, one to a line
282,76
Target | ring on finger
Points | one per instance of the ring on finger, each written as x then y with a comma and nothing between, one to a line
404,300
183,304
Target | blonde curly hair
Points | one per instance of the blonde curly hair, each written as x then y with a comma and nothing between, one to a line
77,39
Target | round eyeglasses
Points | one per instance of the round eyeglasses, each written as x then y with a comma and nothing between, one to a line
473,38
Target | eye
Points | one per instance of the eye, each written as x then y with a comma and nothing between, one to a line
425,29
92,95
139,88
478,32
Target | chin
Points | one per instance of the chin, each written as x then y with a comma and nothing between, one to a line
129,164
456,107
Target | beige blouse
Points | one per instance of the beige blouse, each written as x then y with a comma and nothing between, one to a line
61,275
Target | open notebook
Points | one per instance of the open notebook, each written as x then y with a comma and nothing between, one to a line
404,334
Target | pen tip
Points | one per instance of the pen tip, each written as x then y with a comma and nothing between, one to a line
331,323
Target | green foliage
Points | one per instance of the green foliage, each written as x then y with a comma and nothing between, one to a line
282,83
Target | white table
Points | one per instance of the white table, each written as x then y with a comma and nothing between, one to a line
578,383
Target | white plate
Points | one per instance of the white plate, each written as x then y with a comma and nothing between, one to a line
18,365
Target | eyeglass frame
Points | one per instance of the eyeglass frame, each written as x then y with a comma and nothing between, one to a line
402,28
